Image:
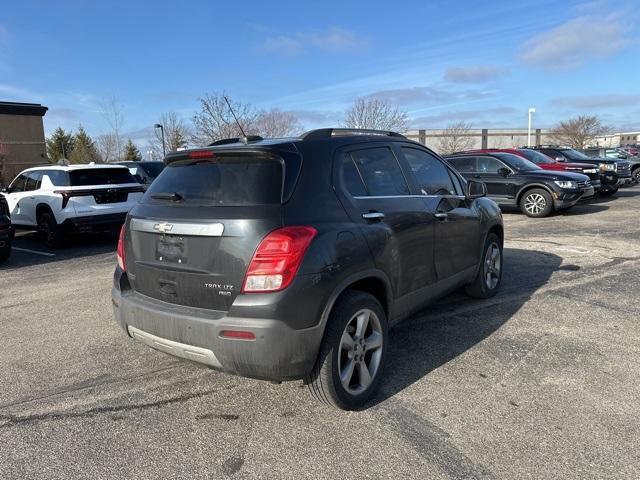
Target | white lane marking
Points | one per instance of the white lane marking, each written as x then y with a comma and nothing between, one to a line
46,254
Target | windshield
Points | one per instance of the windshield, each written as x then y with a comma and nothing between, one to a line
516,162
100,176
223,181
536,157
575,155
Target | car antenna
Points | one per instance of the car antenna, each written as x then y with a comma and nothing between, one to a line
245,140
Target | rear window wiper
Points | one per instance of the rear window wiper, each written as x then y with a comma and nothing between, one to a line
175,196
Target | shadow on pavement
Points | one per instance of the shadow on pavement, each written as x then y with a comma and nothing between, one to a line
456,323
28,249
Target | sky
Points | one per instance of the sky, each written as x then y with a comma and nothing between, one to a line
441,61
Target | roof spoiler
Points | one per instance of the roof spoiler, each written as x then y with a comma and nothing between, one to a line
245,140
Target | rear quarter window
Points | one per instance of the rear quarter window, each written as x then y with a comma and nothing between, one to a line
233,180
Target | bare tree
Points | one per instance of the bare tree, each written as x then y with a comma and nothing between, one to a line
275,123
455,138
176,134
107,145
376,114
111,111
580,131
214,120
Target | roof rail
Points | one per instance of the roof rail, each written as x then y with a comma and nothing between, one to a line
245,140
337,132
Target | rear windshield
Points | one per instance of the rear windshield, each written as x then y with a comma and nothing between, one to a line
230,181
100,176
535,156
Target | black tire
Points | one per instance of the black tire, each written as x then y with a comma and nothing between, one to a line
324,380
50,230
636,174
481,287
6,250
536,203
609,193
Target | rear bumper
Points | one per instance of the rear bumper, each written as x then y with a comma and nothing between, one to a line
279,352
110,221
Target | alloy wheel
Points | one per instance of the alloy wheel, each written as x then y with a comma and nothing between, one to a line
492,265
535,203
360,351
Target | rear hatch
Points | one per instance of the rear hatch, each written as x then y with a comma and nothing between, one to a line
93,191
190,240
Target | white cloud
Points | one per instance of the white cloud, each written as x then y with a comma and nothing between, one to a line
331,40
473,74
573,43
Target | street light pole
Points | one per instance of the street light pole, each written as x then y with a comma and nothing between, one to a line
164,152
531,112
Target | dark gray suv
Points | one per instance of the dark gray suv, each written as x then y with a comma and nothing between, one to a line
287,259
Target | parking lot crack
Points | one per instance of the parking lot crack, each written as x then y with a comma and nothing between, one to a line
15,420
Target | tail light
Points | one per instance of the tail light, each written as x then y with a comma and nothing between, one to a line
277,259
120,255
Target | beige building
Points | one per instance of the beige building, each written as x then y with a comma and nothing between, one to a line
483,138
22,143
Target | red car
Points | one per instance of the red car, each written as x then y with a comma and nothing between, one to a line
548,163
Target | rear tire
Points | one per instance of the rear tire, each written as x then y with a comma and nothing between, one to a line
536,203
489,276
352,355
50,230
609,193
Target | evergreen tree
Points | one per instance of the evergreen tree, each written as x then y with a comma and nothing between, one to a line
60,144
84,148
131,152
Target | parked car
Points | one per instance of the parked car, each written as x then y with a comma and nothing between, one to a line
60,200
613,173
6,230
514,181
600,152
144,172
288,259
547,163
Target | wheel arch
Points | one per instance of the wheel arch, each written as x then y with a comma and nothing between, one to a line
374,282
43,208
531,186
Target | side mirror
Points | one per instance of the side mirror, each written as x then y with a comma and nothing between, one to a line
476,190
504,171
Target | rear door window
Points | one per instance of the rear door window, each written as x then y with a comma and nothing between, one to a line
430,173
380,171
33,181
463,164
100,176
228,180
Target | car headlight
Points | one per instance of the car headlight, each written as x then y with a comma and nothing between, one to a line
608,167
566,184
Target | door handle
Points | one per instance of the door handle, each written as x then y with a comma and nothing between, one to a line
373,216
441,215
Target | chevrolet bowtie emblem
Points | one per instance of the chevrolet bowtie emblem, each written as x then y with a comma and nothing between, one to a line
163,227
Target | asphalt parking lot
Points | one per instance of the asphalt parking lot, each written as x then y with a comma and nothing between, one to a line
538,382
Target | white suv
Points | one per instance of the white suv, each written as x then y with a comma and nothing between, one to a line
59,200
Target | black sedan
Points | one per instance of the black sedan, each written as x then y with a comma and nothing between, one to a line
513,181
